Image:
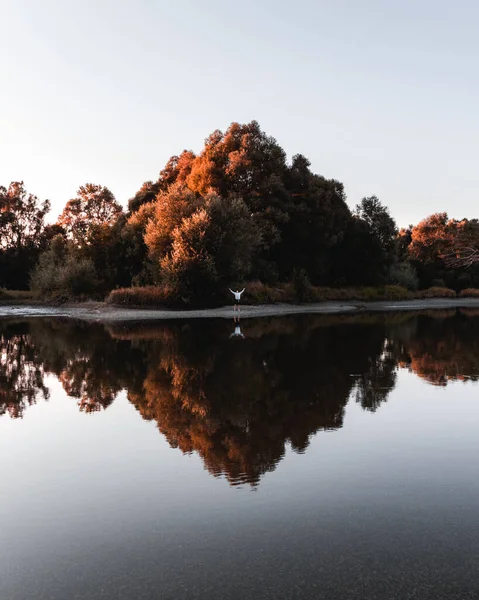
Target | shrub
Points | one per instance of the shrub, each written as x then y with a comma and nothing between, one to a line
62,275
436,292
261,293
77,278
469,293
405,275
148,296
303,290
396,292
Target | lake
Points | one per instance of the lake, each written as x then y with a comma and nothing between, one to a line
285,458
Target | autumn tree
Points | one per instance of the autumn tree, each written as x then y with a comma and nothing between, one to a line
22,227
147,193
201,242
300,216
176,170
93,208
463,250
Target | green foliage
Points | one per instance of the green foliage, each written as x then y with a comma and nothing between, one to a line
404,274
61,273
22,226
302,287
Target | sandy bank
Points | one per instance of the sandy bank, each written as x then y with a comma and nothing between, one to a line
97,311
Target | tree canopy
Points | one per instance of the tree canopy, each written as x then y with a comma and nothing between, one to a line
237,210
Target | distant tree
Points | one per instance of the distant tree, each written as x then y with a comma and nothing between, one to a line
95,206
22,225
381,224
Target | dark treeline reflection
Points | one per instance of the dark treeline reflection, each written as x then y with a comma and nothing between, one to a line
236,401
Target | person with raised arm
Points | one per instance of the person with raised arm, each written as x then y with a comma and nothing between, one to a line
237,296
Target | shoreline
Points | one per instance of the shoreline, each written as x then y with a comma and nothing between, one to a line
100,312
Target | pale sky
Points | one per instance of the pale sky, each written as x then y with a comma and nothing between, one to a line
382,95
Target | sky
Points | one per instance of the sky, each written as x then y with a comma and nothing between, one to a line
380,94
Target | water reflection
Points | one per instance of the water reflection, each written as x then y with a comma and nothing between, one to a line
236,405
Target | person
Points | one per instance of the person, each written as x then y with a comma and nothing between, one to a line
237,332
237,296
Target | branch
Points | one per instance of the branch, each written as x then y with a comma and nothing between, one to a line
464,257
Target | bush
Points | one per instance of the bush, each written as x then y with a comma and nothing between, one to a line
405,275
396,292
77,278
149,296
303,290
261,293
469,293
436,292
62,275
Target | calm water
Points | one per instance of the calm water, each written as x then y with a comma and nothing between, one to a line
319,457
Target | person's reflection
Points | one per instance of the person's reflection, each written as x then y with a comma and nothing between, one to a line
237,332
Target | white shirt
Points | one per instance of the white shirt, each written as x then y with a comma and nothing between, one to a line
237,295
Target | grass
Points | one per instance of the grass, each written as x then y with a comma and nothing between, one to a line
145,297
436,292
16,296
469,293
258,293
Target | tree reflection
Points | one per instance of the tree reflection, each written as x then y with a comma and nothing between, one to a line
444,349
237,405
21,370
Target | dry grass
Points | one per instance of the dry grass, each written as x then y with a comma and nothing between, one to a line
145,297
436,292
469,293
258,293
16,296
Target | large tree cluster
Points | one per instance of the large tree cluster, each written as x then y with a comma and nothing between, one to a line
236,211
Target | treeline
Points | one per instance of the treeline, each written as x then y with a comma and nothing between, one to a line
237,211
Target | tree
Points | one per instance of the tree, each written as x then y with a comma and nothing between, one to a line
147,193
431,238
359,259
94,207
464,247
63,272
201,242
169,210
381,224
176,170
318,219
22,224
